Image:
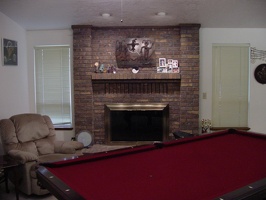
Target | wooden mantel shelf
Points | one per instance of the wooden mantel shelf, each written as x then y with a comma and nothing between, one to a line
141,76
141,83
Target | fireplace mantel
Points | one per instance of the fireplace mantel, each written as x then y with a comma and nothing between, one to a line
102,77
145,83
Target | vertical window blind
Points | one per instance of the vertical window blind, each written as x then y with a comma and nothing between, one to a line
230,85
53,83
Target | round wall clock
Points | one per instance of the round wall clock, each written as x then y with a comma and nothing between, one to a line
260,73
85,137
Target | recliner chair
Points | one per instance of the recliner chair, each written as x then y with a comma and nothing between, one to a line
30,139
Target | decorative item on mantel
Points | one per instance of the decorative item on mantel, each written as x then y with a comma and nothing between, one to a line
135,70
96,66
111,69
171,66
132,52
206,125
101,68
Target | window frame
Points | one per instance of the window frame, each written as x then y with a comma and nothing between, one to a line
241,124
69,124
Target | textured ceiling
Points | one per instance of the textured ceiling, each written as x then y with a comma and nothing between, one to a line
61,14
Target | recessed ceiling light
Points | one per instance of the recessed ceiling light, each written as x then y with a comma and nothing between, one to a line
161,13
106,15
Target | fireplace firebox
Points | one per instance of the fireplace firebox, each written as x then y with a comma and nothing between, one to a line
130,123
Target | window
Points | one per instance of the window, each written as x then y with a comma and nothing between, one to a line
230,85
53,83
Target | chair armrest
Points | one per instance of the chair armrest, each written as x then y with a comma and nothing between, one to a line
22,156
67,147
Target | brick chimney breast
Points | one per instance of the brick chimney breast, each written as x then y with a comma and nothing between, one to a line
92,91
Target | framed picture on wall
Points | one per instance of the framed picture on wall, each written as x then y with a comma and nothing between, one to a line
10,52
170,61
162,62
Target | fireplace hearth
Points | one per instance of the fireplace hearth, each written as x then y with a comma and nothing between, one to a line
130,123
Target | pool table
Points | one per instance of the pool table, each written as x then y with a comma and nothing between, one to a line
228,164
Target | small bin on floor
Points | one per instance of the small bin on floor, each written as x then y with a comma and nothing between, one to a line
181,134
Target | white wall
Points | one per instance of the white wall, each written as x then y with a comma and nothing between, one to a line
46,37
14,91
256,38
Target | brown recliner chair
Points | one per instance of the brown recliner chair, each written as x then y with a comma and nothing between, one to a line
30,139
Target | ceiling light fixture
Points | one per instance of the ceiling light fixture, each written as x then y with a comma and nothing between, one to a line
161,13
106,15
121,11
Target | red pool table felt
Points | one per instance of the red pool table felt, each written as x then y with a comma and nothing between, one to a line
203,167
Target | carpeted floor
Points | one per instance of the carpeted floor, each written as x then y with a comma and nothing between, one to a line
12,195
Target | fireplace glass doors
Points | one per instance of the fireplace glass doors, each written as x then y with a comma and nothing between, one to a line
125,123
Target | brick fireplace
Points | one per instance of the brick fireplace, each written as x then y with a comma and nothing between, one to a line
92,91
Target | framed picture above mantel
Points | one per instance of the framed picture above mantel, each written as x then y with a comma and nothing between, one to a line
10,52
135,52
